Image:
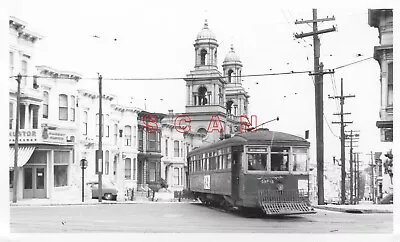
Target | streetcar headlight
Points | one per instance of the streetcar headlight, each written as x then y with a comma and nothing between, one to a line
279,186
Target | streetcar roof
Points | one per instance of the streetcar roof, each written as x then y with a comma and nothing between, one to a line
260,137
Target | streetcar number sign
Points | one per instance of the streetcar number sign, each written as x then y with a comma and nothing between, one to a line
207,182
302,184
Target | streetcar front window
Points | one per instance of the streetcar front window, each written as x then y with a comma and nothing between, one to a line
257,162
300,158
279,159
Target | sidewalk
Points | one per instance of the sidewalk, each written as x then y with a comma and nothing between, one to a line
363,207
53,202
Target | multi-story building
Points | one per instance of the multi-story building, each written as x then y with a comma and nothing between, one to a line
47,120
214,101
383,53
175,146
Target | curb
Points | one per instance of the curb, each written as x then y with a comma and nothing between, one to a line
352,210
98,204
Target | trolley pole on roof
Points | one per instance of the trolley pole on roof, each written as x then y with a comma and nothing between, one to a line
319,100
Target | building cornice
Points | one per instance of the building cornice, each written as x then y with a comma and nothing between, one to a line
93,95
20,26
51,72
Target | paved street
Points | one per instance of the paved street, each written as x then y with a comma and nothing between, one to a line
185,218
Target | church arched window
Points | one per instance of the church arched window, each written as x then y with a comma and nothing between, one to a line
202,131
229,106
203,54
230,76
202,95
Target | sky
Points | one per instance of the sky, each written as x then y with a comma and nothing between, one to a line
154,39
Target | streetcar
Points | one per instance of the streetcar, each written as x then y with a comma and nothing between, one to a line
264,169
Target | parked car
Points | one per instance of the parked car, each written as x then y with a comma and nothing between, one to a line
109,190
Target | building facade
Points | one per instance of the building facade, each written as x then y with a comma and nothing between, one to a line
382,19
214,100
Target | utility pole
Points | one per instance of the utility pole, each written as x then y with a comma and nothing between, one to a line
15,181
99,159
358,178
372,176
319,108
342,139
353,138
351,167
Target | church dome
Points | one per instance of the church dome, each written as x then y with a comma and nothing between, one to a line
205,33
232,56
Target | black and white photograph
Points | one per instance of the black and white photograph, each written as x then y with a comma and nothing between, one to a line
183,117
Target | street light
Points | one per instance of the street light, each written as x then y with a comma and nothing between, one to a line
19,77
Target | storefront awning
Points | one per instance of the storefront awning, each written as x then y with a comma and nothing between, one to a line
24,153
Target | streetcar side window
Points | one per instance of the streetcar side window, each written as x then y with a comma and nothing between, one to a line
279,159
257,162
300,159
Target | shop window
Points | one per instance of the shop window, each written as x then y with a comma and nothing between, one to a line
27,178
45,104
60,175
63,107
61,161
279,159
257,162
300,159
128,166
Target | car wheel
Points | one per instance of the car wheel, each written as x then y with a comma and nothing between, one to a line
108,196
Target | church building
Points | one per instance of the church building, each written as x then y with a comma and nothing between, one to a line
215,101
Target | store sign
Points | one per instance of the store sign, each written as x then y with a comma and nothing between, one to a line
53,136
25,136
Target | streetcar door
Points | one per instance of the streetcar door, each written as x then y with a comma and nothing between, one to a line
236,166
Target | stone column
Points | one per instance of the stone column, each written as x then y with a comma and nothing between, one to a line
215,95
190,95
187,95
384,82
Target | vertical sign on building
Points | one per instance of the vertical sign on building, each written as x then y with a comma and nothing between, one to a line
99,162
